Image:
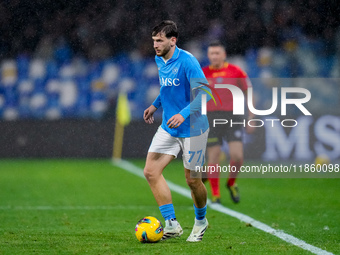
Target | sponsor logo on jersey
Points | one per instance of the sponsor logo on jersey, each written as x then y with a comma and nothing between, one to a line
169,81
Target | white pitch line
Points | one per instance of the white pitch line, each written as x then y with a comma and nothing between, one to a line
78,207
66,207
123,164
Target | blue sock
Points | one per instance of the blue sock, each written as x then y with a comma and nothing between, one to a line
167,211
200,212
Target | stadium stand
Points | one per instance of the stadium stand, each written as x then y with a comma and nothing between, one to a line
70,59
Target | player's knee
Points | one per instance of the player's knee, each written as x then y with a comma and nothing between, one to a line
148,173
193,182
213,155
213,160
236,158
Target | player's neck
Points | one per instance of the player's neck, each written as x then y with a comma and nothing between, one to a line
169,55
219,66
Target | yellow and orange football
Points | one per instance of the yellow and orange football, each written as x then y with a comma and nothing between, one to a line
149,230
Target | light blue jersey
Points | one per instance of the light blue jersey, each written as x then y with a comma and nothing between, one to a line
176,93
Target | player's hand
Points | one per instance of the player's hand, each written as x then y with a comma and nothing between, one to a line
148,114
250,129
175,121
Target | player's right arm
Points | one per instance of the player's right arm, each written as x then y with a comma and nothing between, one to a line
148,113
195,76
245,84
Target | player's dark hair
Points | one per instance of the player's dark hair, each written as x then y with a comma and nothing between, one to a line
217,44
168,27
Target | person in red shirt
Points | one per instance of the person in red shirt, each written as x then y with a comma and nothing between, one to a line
221,72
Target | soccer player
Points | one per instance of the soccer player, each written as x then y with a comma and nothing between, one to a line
221,72
183,127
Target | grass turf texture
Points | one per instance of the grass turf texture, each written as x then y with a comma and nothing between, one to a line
91,207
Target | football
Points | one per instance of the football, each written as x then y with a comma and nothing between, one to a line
322,160
149,230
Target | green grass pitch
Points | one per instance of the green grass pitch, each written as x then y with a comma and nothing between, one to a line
91,207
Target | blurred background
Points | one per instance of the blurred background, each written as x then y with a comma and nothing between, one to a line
63,64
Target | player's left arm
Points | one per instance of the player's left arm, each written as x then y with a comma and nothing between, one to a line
248,84
195,76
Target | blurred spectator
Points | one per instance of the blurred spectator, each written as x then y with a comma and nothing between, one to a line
102,28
